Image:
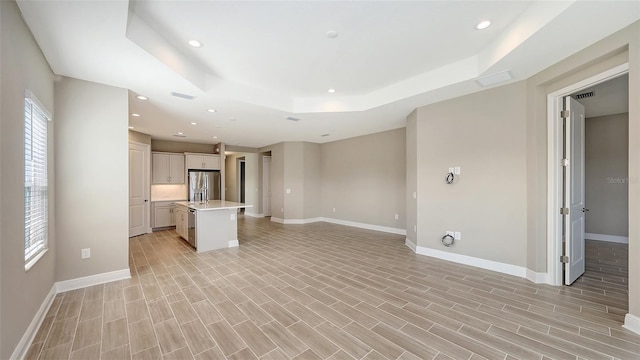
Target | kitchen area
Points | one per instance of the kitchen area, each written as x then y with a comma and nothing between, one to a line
186,193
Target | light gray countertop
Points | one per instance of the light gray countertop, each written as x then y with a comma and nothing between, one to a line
214,205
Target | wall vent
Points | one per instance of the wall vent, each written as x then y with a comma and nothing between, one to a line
182,96
584,95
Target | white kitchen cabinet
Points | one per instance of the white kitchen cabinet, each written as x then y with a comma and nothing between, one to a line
163,214
203,161
167,168
181,218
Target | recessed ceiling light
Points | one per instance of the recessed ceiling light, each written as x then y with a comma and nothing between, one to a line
131,127
195,43
135,115
483,25
194,123
215,137
142,97
331,90
211,110
179,133
332,34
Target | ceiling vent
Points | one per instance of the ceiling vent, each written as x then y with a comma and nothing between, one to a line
182,96
291,118
583,95
494,79
325,135
180,135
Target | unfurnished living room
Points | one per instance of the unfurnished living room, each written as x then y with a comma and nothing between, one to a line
319,179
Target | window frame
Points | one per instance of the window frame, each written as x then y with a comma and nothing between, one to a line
36,175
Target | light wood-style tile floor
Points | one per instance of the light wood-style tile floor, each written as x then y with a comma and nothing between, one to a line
325,291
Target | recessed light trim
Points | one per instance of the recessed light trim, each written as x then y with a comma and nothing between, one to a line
483,25
215,137
141,97
180,133
194,123
331,91
131,127
211,110
135,115
195,43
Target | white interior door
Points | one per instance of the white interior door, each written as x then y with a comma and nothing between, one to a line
266,185
574,224
138,189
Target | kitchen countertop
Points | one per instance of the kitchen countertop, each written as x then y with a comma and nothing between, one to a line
214,205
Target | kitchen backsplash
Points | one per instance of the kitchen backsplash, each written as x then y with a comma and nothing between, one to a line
168,192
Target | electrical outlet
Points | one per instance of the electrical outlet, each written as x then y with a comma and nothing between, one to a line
288,191
233,216
397,216
86,253
415,195
334,209
457,235
456,170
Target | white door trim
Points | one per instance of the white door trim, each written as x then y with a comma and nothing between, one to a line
147,182
554,167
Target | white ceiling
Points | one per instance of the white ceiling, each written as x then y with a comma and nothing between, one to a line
609,97
262,61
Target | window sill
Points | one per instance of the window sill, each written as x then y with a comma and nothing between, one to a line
33,261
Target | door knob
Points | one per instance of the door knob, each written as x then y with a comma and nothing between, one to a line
585,209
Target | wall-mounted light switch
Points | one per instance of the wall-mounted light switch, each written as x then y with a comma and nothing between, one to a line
456,170
86,253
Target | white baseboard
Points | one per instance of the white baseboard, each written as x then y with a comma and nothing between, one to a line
277,220
20,352
473,261
246,213
366,226
632,323
410,244
233,243
536,277
609,238
67,285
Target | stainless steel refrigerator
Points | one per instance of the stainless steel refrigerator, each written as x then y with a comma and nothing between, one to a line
204,185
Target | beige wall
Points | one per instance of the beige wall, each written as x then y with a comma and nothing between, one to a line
251,181
364,179
22,67
485,135
88,167
231,177
606,174
277,178
312,177
181,147
139,137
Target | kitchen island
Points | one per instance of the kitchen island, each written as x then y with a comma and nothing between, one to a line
209,225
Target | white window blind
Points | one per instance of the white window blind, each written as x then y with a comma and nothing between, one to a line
36,193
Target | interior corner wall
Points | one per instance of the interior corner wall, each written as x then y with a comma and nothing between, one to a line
22,66
412,177
311,179
276,178
364,179
251,181
485,135
92,177
607,175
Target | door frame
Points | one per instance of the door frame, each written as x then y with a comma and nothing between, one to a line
239,163
555,142
147,182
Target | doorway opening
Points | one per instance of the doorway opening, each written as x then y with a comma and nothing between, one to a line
241,182
566,232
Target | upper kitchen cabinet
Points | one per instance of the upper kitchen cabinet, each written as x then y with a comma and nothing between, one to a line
203,161
167,168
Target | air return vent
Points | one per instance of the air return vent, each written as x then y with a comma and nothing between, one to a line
584,95
180,135
182,96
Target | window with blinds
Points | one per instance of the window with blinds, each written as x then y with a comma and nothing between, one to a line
36,193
